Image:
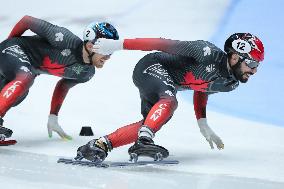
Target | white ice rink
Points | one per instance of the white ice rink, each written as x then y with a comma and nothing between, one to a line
254,152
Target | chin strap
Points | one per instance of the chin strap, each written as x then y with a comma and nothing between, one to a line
238,63
236,66
90,55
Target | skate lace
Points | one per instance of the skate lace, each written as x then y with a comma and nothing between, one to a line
99,144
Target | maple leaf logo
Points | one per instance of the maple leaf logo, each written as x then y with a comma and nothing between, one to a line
194,84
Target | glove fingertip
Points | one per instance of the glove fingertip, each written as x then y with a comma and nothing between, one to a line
68,138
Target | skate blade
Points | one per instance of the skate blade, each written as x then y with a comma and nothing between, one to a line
7,142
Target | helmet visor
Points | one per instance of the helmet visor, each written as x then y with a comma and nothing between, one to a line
250,63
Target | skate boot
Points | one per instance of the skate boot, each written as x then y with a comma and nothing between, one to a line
145,146
95,151
4,132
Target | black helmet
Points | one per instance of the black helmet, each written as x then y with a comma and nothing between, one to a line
245,45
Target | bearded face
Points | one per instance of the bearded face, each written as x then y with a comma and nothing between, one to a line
239,74
241,70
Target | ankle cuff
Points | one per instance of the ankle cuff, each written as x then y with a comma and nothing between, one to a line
107,142
1,121
146,131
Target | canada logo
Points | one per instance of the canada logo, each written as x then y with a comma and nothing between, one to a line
194,84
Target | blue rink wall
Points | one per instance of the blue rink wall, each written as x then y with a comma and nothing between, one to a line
261,99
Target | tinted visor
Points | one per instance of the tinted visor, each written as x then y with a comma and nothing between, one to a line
250,63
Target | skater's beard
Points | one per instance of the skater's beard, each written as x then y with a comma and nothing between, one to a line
239,74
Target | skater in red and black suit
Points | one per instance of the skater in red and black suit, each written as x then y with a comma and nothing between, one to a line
182,65
53,50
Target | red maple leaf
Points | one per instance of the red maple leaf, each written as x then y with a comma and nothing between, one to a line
52,67
194,84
